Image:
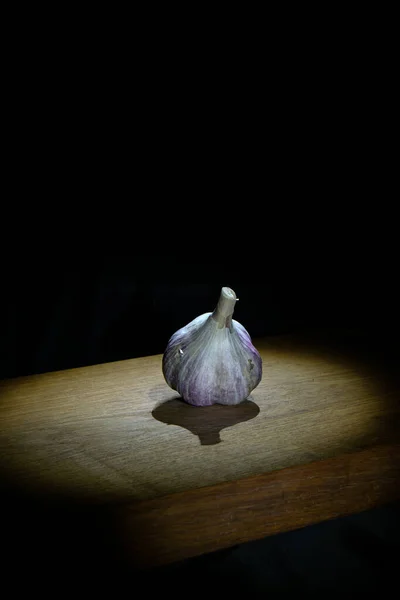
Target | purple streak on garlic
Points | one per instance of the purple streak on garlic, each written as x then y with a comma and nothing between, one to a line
212,359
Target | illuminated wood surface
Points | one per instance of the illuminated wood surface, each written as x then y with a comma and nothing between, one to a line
116,433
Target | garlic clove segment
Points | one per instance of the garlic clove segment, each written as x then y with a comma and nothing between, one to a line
212,360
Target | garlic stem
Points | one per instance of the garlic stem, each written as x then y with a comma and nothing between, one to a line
225,307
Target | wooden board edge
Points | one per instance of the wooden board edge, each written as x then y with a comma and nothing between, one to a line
187,524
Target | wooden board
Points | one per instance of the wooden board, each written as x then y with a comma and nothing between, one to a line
101,433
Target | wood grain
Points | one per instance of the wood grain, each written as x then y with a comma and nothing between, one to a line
179,526
94,433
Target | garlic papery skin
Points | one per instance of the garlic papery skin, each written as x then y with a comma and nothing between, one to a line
212,359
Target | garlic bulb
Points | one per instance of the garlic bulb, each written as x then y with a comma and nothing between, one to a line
212,359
